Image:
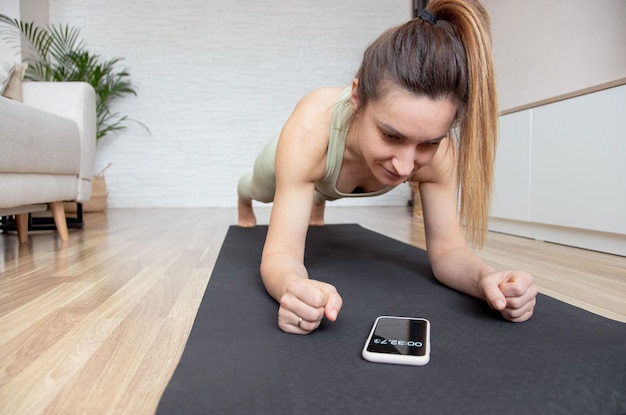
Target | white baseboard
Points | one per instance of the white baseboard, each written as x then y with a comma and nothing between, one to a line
611,243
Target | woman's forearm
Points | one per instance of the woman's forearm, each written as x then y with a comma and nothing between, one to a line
278,270
460,269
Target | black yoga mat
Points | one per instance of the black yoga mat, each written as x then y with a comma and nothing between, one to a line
563,361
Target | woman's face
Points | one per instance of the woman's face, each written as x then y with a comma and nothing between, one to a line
401,133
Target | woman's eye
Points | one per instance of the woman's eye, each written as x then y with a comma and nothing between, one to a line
431,143
390,137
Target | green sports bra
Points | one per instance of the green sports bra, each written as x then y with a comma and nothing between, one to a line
327,187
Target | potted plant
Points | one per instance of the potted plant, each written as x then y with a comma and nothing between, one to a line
57,53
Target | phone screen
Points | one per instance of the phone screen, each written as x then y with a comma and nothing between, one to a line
399,336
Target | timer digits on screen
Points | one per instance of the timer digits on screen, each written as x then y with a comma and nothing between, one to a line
395,342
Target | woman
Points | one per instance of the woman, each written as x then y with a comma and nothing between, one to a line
418,83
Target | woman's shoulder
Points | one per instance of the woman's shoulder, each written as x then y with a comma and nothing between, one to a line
325,94
313,113
305,136
321,100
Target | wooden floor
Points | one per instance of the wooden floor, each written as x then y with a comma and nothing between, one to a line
96,325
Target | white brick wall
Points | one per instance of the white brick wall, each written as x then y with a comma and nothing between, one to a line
215,81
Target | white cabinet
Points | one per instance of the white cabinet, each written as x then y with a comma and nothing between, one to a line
560,172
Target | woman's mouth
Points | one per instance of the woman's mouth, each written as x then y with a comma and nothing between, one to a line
393,177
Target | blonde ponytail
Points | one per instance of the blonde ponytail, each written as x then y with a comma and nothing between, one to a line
479,124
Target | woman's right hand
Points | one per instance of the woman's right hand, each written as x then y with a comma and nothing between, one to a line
305,303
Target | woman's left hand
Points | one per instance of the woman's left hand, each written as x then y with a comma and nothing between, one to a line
512,293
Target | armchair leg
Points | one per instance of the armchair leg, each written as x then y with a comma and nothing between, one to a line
21,224
58,213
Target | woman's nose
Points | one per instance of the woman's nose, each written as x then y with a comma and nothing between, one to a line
405,162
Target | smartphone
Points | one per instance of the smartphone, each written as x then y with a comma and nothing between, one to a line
398,340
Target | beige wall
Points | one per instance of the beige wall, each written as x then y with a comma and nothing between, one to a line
34,11
546,48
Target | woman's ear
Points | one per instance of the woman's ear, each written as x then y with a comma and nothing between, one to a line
354,98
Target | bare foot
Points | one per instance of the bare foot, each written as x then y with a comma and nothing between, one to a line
246,215
317,214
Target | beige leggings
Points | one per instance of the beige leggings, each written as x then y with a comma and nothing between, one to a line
260,183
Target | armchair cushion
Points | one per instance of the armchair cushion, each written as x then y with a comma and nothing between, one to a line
38,142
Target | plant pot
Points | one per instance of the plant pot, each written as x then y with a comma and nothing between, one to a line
99,194
98,200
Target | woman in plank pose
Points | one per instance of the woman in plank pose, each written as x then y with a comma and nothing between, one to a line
422,108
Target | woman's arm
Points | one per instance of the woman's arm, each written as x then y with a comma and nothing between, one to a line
454,264
300,161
